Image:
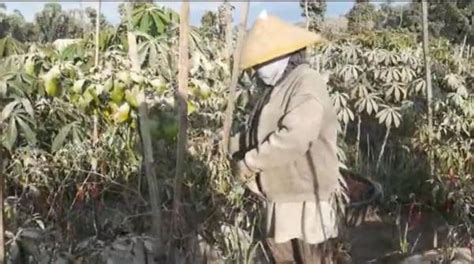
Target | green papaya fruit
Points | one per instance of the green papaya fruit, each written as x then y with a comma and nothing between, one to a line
51,81
30,67
117,94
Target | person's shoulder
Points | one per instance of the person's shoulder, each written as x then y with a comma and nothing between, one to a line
310,75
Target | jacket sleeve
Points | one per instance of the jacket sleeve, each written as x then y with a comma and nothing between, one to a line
298,128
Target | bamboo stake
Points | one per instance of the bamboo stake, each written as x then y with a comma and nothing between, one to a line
150,172
429,89
182,98
97,34
235,76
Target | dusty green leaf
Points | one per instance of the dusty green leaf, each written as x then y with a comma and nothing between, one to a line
58,141
11,135
396,120
7,110
374,105
191,107
369,106
145,23
382,115
122,114
75,136
78,85
388,120
27,131
3,89
28,107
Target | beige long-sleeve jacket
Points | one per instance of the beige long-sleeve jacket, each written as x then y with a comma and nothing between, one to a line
292,145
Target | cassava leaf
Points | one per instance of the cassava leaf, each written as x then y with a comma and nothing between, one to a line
27,131
28,107
11,135
58,141
388,120
7,110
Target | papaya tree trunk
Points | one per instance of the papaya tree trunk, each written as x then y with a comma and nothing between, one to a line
382,150
97,34
429,89
235,77
150,172
182,98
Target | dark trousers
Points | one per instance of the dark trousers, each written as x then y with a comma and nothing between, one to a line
296,251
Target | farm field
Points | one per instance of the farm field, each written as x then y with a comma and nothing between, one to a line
111,135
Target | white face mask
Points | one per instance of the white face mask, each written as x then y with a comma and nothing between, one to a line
271,72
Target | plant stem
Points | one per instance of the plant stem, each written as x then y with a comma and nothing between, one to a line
345,131
382,150
401,16
429,89
367,164
95,140
461,50
235,77
97,34
359,122
153,188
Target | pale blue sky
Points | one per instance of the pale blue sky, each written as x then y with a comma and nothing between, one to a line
289,11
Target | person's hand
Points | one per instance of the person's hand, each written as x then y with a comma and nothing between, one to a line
245,176
241,171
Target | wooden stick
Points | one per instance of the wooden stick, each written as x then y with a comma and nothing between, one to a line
182,94
228,30
235,77
429,89
150,172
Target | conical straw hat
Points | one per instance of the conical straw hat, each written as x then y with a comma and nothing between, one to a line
270,37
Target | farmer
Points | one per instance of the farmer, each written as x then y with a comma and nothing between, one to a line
287,153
